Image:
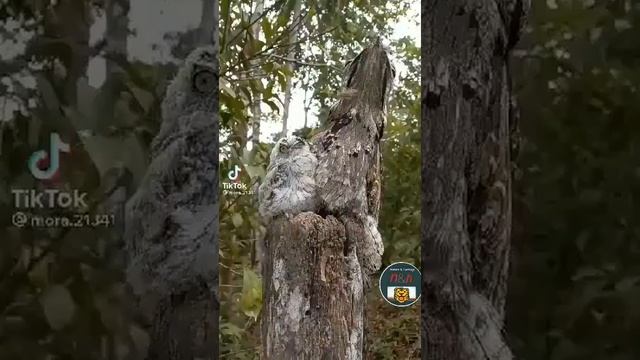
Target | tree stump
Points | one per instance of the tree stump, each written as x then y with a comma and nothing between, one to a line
313,291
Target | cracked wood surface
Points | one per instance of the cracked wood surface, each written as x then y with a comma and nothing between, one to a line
313,291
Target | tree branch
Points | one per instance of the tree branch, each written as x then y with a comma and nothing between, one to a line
302,63
275,46
21,62
246,28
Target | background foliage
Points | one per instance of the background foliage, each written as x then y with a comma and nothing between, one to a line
574,292
62,290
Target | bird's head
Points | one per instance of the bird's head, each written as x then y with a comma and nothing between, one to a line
289,146
195,86
371,74
203,71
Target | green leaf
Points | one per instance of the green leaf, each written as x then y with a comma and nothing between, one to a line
254,171
144,98
225,86
231,329
58,306
267,30
627,283
587,272
237,220
273,106
251,299
282,80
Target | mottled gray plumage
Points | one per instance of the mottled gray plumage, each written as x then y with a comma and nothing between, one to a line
349,155
170,220
289,186
191,91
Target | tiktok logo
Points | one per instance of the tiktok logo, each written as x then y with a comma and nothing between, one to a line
235,186
57,146
235,173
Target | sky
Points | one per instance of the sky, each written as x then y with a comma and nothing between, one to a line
150,20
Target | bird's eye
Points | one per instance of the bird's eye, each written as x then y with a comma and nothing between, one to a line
283,147
204,81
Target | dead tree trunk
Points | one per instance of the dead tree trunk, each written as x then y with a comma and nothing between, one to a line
317,267
466,180
313,303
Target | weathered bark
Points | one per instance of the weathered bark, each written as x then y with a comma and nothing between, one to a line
466,179
317,267
313,287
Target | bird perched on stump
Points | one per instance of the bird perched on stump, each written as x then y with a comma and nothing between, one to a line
348,178
170,230
289,186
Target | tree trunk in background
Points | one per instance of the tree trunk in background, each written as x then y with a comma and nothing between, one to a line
256,112
312,291
69,21
117,32
209,10
466,179
293,38
286,105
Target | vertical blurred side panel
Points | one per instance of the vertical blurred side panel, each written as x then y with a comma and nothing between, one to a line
171,230
467,116
216,181
216,36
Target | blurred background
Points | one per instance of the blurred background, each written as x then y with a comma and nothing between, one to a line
95,73
281,70
574,291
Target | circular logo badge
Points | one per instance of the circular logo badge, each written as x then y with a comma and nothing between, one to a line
401,284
